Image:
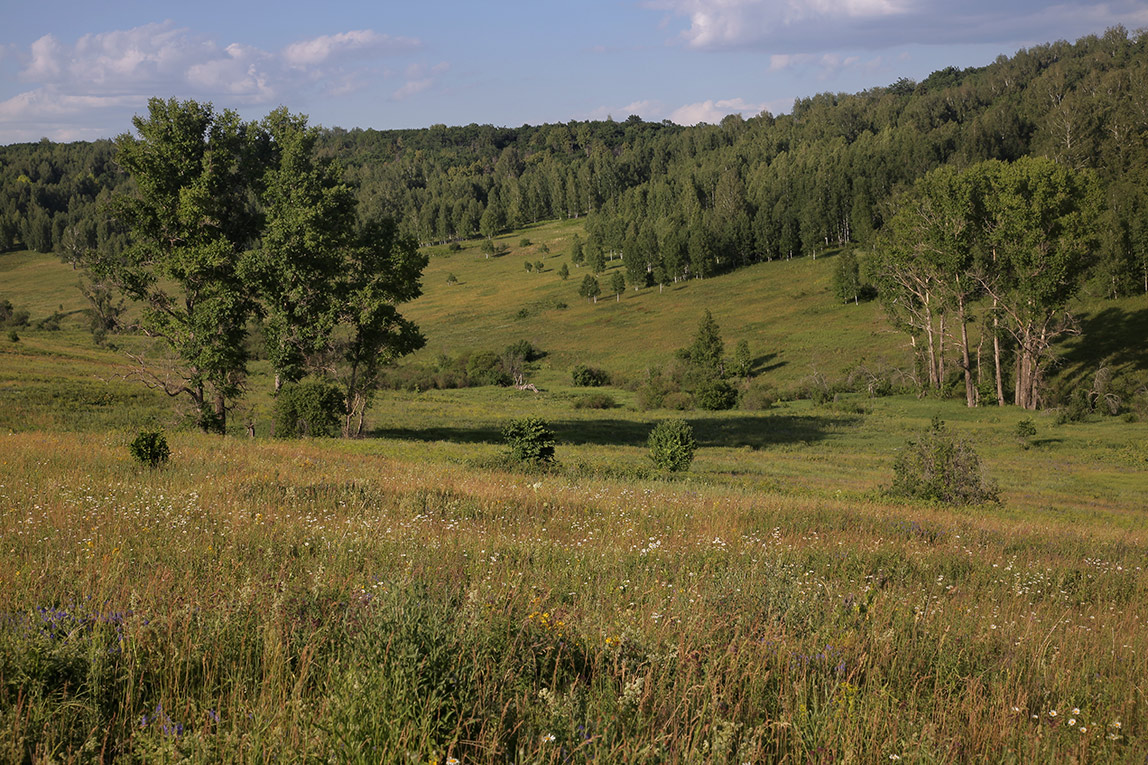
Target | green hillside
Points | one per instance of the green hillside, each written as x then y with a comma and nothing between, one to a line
784,309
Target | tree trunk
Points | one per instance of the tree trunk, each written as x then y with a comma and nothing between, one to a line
997,356
970,389
931,348
220,407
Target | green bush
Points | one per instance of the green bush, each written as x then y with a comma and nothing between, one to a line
758,397
589,377
530,440
1025,430
595,401
715,395
308,408
150,448
485,368
12,317
525,350
672,445
678,400
940,467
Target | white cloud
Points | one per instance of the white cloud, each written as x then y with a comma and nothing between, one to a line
712,112
810,26
98,82
733,23
320,49
419,78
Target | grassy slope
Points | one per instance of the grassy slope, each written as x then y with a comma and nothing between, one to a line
782,309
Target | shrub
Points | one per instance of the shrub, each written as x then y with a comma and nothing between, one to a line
485,368
672,445
595,401
13,336
940,467
756,398
454,247
451,279
308,408
150,448
12,317
530,440
715,395
1024,431
678,400
589,377
525,350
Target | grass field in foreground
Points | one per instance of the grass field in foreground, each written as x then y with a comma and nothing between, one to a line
380,601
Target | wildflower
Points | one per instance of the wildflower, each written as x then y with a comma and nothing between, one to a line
548,738
894,757
1072,721
1116,724
1016,710
1052,713
451,761
1083,728
1075,710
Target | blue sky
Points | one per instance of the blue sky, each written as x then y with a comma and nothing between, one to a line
80,70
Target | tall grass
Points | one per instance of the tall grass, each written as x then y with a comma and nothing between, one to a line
258,601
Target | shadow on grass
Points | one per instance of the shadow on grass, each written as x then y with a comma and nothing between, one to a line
754,432
1112,334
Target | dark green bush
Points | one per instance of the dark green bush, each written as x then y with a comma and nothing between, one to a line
672,445
150,448
524,350
308,408
530,440
940,467
1024,431
485,368
589,377
715,395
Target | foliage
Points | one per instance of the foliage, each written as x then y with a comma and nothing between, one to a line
150,448
12,317
191,217
940,467
589,377
590,289
847,285
595,401
486,368
525,350
672,445
531,441
742,363
311,407
1024,431
707,350
715,395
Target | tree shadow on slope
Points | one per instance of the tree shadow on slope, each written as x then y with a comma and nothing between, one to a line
710,431
1113,335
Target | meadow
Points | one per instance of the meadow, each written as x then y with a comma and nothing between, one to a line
409,597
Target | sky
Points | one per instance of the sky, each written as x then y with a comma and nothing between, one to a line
81,70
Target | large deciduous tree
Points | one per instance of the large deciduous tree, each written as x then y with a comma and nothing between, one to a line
234,219
190,218
1041,226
